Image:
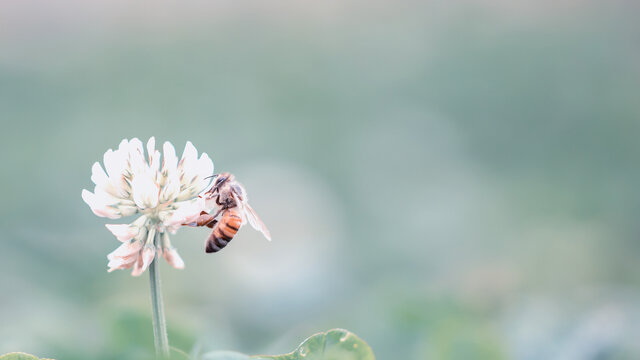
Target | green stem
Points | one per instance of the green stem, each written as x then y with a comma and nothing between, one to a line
159,322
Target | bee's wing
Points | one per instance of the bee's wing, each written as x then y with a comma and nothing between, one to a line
251,216
256,222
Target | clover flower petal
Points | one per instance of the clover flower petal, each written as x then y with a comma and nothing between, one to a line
123,232
170,253
163,189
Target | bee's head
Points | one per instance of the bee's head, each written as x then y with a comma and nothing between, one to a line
219,180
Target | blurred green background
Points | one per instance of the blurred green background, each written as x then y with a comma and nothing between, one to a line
448,180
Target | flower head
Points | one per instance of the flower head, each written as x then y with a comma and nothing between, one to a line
164,193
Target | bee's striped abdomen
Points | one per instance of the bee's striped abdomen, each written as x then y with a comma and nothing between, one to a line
224,231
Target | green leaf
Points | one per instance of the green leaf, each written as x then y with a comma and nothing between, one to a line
18,356
225,355
336,344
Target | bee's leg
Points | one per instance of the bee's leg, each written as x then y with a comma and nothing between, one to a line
212,224
202,220
218,212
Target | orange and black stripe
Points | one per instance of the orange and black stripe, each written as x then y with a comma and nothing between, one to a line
224,231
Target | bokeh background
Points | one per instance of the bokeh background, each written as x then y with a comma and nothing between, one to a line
447,179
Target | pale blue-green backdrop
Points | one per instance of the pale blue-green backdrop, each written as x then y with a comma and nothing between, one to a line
448,180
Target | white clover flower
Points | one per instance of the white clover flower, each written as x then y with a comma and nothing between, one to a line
164,192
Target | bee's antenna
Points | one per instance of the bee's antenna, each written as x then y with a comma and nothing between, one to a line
212,176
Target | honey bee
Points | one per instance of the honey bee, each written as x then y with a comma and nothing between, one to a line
231,198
